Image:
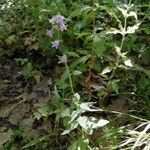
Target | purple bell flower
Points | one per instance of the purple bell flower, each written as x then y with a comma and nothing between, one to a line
55,44
50,33
62,59
59,20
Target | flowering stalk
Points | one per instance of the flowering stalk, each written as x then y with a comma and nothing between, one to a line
63,60
59,21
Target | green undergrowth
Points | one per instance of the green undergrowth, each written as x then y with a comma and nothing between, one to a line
99,98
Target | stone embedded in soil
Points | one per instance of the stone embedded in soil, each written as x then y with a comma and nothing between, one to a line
17,106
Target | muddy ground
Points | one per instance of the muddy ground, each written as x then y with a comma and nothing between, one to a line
19,99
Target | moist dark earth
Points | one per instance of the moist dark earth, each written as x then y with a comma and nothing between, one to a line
19,99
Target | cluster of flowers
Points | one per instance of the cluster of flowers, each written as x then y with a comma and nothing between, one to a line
59,21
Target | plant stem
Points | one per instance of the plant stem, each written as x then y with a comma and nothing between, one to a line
123,114
121,47
129,2
70,79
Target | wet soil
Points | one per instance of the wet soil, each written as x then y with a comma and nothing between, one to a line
19,99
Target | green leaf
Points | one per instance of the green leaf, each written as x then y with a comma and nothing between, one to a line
98,45
74,64
44,111
115,86
37,115
22,60
76,72
106,70
73,54
11,39
80,144
80,35
35,141
90,123
27,70
73,126
65,113
86,8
